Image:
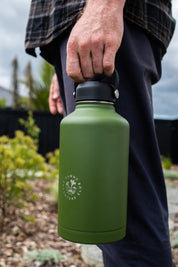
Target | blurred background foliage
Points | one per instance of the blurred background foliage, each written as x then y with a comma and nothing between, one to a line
19,164
38,89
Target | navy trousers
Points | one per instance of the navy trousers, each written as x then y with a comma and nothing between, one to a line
138,62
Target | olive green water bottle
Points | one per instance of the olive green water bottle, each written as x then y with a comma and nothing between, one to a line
93,171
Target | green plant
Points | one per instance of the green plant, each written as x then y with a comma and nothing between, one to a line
170,174
46,255
166,162
15,83
28,218
2,103
38,89
19,162
30,127
41,88
24,102
53,160
53,190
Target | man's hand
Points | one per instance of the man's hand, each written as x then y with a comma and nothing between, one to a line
55,103
95,39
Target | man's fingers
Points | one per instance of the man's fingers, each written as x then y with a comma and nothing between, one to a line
59,105
108,64
73,63
84,51
109,58
90,59
97,54
55,103
55,87
52,105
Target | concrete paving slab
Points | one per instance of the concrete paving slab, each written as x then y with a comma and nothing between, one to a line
172,194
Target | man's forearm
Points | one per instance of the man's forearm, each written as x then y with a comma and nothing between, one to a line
114,3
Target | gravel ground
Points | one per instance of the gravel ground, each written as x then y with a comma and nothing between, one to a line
20,236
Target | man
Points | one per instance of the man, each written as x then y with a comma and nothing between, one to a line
95,37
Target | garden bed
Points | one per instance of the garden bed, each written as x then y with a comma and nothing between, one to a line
35,228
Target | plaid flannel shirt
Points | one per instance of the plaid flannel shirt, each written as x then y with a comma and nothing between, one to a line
48,19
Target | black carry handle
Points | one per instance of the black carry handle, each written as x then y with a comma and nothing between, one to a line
113,80
99,88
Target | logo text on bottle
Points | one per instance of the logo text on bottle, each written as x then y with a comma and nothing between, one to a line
71,187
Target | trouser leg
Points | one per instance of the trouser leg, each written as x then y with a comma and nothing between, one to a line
147,240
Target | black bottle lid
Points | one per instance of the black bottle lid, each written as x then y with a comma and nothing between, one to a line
100,88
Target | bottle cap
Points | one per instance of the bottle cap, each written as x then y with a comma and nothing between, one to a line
100,88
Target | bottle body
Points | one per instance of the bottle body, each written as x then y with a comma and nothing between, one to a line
93,175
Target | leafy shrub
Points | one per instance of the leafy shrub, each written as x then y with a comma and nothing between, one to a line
45,255
2,103
30,127
28,218
53,160
38,89
166,162
19,162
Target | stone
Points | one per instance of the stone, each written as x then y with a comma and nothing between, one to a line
92,255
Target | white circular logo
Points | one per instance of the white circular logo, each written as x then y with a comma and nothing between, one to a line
71,187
